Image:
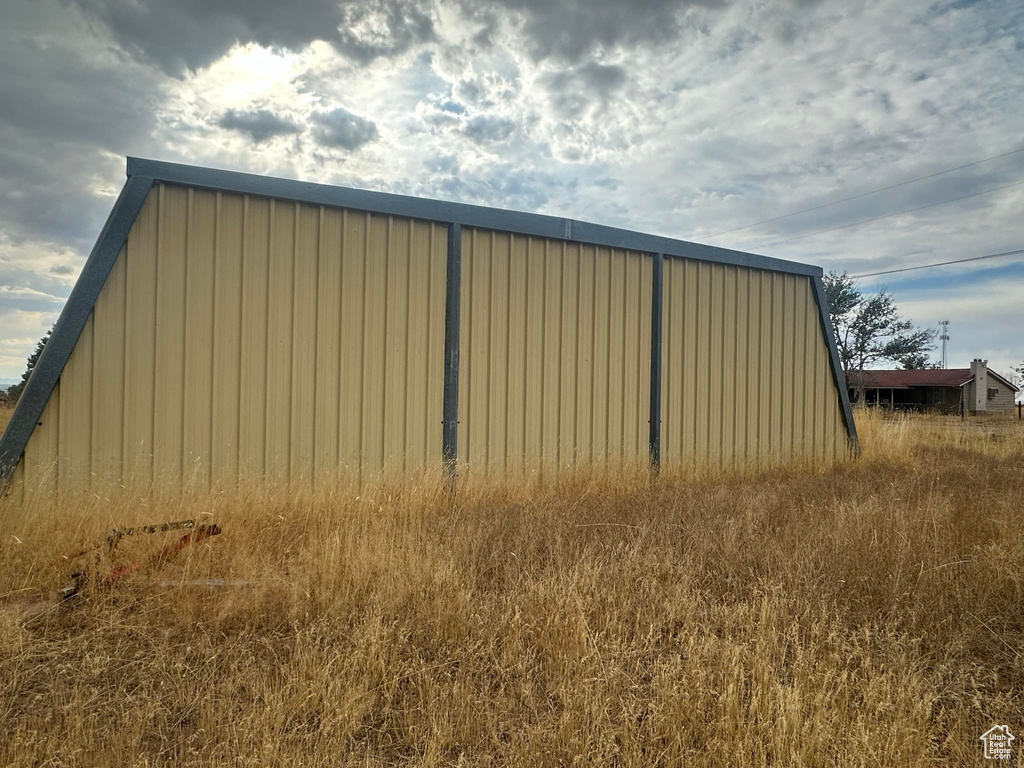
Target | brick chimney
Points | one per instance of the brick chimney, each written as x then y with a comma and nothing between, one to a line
979,370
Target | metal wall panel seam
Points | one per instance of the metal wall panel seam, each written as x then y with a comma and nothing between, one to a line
838,377
70,323
654,437
533,224
450,407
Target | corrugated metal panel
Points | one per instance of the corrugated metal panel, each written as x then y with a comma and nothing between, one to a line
555,360
746,372
240,336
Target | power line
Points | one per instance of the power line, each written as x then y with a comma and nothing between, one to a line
889,215
864,194
941,263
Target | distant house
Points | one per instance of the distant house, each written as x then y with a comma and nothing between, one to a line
977,389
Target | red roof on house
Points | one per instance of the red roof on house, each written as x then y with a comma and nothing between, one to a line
926,377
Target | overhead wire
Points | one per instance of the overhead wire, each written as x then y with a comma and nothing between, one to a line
940,263
863,194
889,215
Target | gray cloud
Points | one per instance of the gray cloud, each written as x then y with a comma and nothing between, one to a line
343,129
452,107
570,30
69,113
487,128
573,89
443,164
191,34
258,124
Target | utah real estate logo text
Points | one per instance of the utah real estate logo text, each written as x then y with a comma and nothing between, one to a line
997,742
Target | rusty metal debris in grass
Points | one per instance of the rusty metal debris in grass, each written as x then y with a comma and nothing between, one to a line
80,579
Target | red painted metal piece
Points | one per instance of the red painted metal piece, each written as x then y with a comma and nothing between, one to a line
201,532
81,578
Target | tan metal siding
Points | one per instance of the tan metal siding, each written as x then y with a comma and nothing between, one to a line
227,331
554,358
746,371
39,467
243,336
140,344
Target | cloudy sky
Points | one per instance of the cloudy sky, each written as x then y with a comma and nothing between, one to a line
678,118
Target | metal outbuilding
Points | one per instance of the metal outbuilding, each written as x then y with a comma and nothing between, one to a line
228,326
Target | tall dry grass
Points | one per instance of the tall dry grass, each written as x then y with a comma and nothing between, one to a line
5,415
867,614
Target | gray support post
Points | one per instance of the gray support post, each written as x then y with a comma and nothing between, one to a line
838,377
450,407
654,442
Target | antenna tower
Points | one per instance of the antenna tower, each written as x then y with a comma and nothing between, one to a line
944,336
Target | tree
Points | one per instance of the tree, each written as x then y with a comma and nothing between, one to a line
14,391
869,330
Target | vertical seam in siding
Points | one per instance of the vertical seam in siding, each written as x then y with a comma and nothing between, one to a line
759,383
608,359
316,337
543,353
698,311
774,402
724,270
290,448
383,352
526,337
426,342
748,274
576,356
488,362
184,333
341,338
795,446
466,361
124,368
639,431
666,352
593,353
621,373
711,354
210,445
791,281
508,350
733,314
561,352
803,383
236,459
408,367
266,334
362,348
156,315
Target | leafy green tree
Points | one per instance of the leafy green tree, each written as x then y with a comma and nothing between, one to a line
869,330
14,391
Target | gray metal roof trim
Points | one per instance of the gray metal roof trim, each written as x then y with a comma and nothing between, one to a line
468,215
70,324
838,376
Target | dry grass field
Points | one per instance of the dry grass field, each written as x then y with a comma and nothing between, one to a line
861,615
